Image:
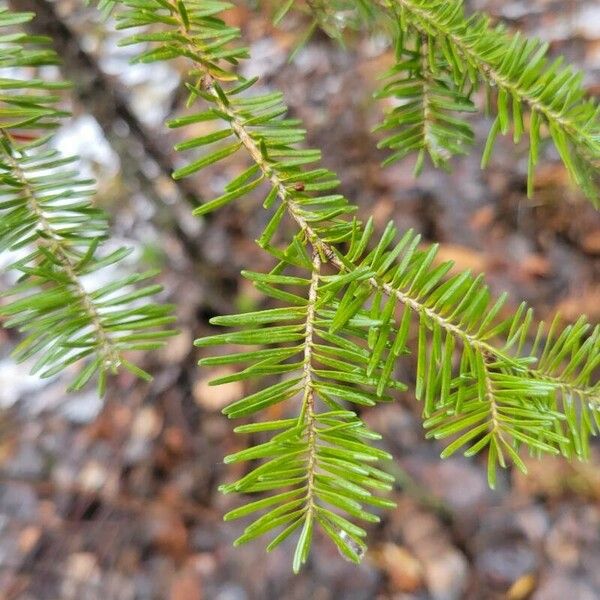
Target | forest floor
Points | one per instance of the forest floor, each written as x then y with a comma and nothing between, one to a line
118,500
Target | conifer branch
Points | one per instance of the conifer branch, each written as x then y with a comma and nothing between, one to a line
286,195
56,235
424,121
479,384
308,402
51,240
518,69
473,52
433,19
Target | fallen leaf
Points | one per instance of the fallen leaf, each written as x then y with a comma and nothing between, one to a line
463,257
404,571
585,302
591,242
522,588
186,585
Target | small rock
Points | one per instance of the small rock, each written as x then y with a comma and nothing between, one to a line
446,575
93,476
147,424
559,586
82,577
27,463
204,538
563,545
15,382
533,521
503,564
459,483
587,22
231,591
18,501
177,348
82,408
213,398
119,587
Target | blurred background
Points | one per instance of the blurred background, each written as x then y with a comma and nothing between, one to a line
117,499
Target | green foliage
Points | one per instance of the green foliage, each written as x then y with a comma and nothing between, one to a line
26,104
56,238
350,302
524,78
320,462
425,120
533,95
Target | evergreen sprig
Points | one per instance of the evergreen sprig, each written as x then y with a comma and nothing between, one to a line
55,236
320,463
425,120
481,384
533,95
525,79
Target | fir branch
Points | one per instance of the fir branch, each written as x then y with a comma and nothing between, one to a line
287,196
45,210
475,377
472,52
48,222
332,17
425,120
51,240
320,456
517,67
308,401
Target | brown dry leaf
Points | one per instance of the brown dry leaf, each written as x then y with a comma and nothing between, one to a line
535,265
483,217
170,534
586,302
591,242
463,257
29,538
186,585
215,398
404,571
